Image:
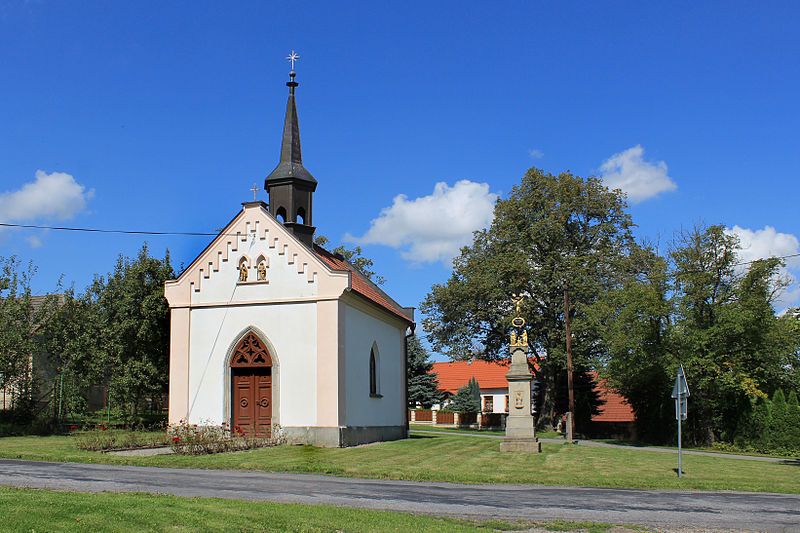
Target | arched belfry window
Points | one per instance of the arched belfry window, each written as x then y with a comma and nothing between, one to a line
280,214
301,216
374,373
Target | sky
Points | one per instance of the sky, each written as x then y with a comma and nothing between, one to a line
414,116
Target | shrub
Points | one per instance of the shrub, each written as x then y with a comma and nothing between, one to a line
771,426
201,439
103,439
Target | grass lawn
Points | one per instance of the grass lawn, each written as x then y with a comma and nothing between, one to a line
73,511
458,459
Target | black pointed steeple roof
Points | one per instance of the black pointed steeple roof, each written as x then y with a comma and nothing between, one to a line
290,167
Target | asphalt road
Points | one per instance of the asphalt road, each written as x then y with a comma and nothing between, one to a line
734,510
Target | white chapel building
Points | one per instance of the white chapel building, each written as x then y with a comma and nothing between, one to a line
269,330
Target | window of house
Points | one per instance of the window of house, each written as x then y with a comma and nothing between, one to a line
488,404
374,389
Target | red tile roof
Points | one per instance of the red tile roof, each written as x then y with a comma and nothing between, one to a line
456,374
492,375
614,407
363,286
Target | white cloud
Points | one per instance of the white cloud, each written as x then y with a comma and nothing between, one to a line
535,153
638,178
55,196
767,242
434,227
34,241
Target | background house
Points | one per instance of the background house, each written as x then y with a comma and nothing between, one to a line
614,419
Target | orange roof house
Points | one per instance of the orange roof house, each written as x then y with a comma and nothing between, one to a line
456,374
491,376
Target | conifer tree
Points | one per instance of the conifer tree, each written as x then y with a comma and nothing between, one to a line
422,383
468,398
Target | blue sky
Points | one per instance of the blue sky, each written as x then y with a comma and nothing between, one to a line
161,116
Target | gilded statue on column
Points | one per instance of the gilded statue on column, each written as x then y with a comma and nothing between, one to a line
519,335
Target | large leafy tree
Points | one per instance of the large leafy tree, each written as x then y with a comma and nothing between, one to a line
133,314
74,353
422,382
727,336
632,322
23,319
554,232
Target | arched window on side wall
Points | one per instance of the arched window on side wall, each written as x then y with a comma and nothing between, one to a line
374,389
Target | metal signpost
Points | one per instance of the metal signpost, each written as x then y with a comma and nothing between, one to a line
680,392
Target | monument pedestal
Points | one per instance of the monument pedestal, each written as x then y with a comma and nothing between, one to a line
520,430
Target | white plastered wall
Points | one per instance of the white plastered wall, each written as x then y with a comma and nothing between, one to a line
364,326
294,353
211,309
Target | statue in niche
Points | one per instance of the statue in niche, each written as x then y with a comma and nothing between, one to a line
262,271
519,400
243,272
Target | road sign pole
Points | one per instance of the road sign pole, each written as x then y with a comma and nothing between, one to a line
680,392
680,455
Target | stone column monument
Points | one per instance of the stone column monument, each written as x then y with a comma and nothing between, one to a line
520,432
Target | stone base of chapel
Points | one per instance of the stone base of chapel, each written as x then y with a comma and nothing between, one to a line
339,437
521,445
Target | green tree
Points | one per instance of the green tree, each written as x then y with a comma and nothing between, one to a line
23,319
133,348
781,417
632,322
422,382
73,353
553,232
793,420
726,334
468,398
355,257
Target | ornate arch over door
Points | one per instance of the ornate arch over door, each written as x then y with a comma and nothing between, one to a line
251,387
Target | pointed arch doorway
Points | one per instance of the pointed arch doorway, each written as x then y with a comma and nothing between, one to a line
251,386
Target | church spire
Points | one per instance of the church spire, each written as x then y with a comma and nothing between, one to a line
290,185
291,162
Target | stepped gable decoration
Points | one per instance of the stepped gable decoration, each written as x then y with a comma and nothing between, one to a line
520,431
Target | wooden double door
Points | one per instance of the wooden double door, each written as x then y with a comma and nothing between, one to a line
252,401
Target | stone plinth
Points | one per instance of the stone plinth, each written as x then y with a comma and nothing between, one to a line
521,445
520,431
